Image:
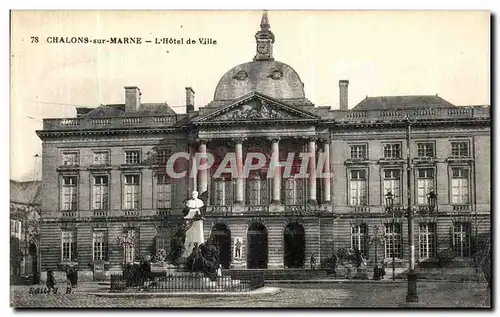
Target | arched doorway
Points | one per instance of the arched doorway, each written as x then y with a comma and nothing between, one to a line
257,246
294,245
34,263
222,239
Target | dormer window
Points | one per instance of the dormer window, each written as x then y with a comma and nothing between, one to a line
277,74
241,75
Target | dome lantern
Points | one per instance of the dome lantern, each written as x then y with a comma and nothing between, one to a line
265,40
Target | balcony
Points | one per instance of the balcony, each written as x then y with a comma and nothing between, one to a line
257,209
295,210
101,213
391,160
459,159
218,210
461,208
164,212
359,209
69,214
473,112
108,123
424,160
354,161
68,168
131,213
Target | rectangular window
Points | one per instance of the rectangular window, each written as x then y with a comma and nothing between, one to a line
392,182
392,151
100,244
132,157
15,228
68,245
461,239
427,240
357,188
460,149
70,158
132,192
425,183
162,238
162,156
358,152
393,240
101,192
425,149
130,245
359,239
69,192
163,192
101,158
257,191
460,186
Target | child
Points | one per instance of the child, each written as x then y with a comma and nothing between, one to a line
51,281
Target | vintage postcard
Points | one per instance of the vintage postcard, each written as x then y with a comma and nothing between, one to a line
250,159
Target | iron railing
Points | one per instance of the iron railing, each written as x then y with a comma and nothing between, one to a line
187,283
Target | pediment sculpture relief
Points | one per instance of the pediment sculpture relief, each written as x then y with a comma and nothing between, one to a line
255,110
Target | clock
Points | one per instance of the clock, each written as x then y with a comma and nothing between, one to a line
263,48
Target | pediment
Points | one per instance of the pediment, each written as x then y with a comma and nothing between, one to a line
257,107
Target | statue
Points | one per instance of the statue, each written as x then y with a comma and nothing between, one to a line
188,242
193,207
204,258
193,223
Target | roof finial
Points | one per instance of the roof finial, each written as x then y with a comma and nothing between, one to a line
264,22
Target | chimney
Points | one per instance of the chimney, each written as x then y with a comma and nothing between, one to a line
343,84
132,98
189,99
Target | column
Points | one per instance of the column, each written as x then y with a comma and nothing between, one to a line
326,170
312,170
192,175
275,153
203,173
239,168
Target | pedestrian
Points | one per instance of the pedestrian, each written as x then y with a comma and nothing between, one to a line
359,257
313,262
51,281
219,271
69,279
382,268
334,264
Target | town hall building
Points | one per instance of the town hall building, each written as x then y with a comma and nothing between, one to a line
107,195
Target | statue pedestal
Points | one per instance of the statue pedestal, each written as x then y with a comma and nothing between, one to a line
193,235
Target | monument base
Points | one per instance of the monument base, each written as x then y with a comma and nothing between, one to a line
194,236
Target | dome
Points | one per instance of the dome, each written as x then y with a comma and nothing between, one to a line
269,77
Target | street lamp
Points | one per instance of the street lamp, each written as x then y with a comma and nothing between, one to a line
389,207
376,240
431,201
411,295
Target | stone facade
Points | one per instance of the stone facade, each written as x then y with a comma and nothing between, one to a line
104,175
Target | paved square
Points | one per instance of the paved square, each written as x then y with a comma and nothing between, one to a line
431,294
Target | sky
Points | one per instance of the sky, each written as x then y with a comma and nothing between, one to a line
381,53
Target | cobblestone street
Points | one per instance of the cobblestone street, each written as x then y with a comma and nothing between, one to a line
431,294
